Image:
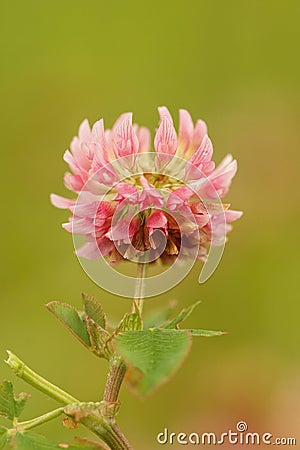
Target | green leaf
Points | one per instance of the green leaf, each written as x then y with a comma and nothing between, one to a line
3,437
206,333
94,310
30,441
99,339
184,314
70,317
132,321
11,406
156,352
13,440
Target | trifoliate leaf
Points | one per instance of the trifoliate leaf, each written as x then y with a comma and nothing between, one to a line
156,352
70,317
94,310
11,406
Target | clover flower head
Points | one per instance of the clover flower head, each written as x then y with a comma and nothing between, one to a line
132,201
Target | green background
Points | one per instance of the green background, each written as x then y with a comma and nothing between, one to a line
234,64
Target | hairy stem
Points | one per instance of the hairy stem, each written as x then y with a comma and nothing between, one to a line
115,379
121,436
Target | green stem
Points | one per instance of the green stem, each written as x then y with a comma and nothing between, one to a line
139,286
107,431
118,366
29,424
40,383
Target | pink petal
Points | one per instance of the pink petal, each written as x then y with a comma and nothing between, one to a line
85,209
202,219
118,122
106,209
165,140
200,160
110,154
123,230
222,176
186,129
100,149
164,113
106,175
203,154
149,197
84,132
69,159
232,215
89,250
61,202
177,200
194,173
81,155
199,133
79,226
183,193
125,140
145,183
223,164
105,246
75,145
73,182
98,134
214,208
144,138
127,191
157,219
157,223
78,163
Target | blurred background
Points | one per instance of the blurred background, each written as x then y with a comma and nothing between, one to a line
231,63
